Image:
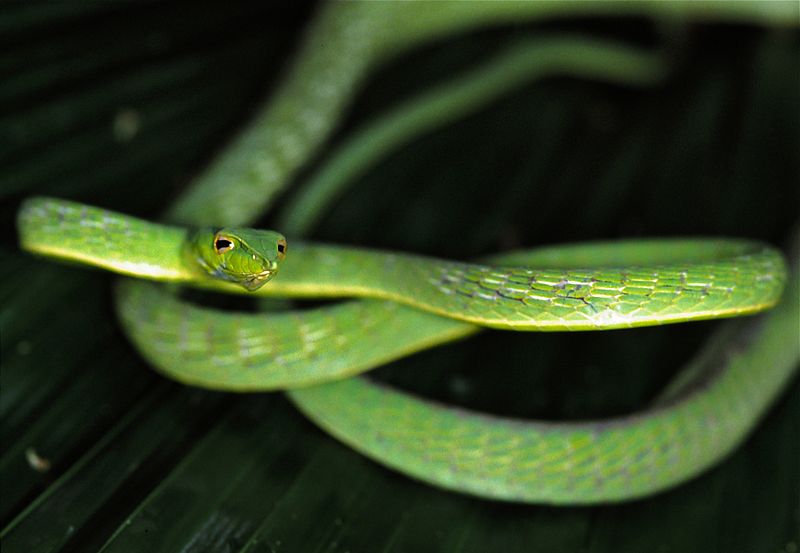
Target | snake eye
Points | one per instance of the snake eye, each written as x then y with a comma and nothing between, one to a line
222,244
281,248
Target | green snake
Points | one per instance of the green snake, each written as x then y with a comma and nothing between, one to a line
416,302
408,303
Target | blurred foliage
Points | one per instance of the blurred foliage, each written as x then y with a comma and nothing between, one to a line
131,462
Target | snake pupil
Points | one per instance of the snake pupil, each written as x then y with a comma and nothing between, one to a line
222,245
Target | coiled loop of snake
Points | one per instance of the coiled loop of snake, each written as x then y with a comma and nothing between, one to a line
708,410
702,416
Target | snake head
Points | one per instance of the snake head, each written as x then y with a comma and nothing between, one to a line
245,256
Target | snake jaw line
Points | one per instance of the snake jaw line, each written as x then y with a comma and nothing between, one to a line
259,280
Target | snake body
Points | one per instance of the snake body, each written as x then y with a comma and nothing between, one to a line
415,302
407,303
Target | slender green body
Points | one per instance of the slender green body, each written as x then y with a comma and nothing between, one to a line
723,394
709,410
578,287
414,302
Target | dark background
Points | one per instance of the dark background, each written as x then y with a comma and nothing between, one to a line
154,466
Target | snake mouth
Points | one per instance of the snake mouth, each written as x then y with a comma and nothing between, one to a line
258,280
